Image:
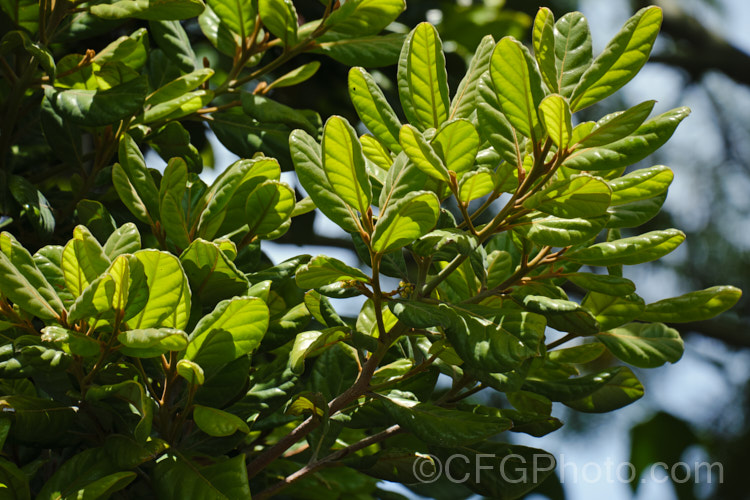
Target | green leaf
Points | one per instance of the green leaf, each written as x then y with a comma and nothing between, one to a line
464,102
560,232
323,270
280,18
218,423
645,140
64,138
171,37
693,306
35,421
457,143
496,340
191,371
616,126
94,108
543,41
563,315
171,192
629,251
83,260
308,164
524,469
556,118
134,183
166,101
90,474
163,10
267,110
125,239
34,204
645,345
573,53
176,478
621,59
580,354
422,78
149,342
245,136
376,153
518,85
582,196
635,213
421,153
600,392
494,126
23,283
222,207
620,390
217,29
309,344
169,293
443,427
344,164
602,283
130,50
212,275
373,108
476,184
368,51
296,76
268,207
40,53
234,328
611,311
405,220
96,218
364,17
641,184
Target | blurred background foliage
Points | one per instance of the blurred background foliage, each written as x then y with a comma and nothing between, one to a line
698,409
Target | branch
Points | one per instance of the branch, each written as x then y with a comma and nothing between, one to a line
323,462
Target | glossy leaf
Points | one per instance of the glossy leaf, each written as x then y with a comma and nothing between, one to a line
444,427
83,260
573,53
457,143
373,108
268,207
234,328
365,17
645,345
422,78
167,10
476,184
692,306
629,251
344,164
603,283
23,283
621,59
616,126
308,163
645,140
368,51
494,126
578,196
218,423
405,220
543,41
280,18
421,153
641,184
171,37
323,270
169,293
563,315
125,239
94,108
464,102
175,478
560,232
518,85
134,183
296,76
212,275
555,116
612,311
